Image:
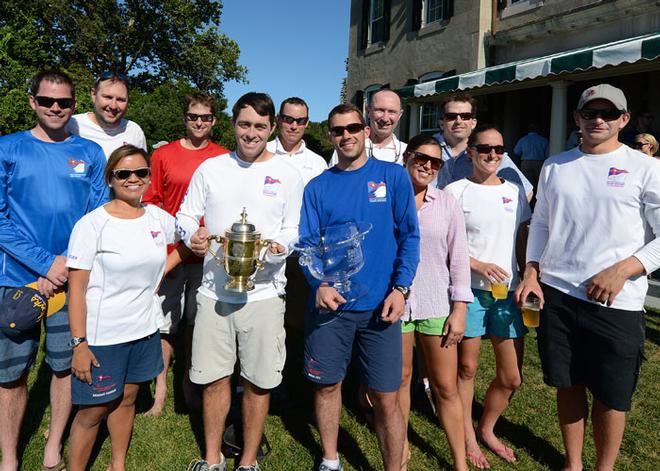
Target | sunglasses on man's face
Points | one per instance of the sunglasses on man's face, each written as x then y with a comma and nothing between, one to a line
192,117
124,173
48,102
455,116
290,119
487,149
352,128
611,114
421,159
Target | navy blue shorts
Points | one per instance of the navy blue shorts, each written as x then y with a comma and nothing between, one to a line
132,362
329,341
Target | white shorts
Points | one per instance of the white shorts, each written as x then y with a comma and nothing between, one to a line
178,296
253,333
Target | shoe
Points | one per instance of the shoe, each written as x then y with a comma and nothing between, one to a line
201,465
323,467
251,467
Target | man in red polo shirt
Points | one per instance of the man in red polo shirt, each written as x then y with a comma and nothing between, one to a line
172,166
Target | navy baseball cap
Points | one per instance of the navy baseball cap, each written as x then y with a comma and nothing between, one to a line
22,309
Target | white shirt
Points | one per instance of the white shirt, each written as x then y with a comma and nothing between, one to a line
591,212
126,259
392,152
128,132
270,192
492,214
309,163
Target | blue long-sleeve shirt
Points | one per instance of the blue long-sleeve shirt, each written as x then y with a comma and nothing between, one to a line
45,187
379,193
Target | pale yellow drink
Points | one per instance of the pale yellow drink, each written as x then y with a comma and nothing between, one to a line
499,290
531,317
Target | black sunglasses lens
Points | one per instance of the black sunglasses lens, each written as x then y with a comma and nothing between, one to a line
142,173
354,128
605,115
122,174
48,102
451,116
465,116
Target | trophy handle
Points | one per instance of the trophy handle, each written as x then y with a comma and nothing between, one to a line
220,240
259,262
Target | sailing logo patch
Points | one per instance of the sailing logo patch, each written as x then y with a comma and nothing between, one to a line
377,192
507,207
616,177
77,167
271,185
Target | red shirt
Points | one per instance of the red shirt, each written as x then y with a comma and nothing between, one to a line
172,167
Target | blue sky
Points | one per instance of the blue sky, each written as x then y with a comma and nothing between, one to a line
291,48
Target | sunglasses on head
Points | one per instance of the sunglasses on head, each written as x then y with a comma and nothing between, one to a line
454,116
638,145
124,173
111,75
206,118
611,114
352,128
290,119
48,102
420,158
487,149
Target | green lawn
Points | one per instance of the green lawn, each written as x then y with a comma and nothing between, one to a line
529,425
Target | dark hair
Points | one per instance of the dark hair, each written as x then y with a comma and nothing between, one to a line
345,108
193,99
481,129
118,154
261,102
461,98
421,140
113,77
54,76
294,100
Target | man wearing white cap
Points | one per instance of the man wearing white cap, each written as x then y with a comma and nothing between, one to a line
592,240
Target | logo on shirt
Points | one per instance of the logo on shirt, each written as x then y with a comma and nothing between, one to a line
506,200
154,234
616,177
271,185
377,192
77,167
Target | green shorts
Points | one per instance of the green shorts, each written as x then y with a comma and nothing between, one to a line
433,326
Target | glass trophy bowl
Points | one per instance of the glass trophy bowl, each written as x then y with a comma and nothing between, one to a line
335,255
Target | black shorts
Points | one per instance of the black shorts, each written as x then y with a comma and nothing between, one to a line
584,343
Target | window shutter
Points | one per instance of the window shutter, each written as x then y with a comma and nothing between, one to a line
364,24
417,6
449,9
358,100
387,16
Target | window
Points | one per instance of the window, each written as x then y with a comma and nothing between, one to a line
433,10
429,113
513,7
375,23
427,12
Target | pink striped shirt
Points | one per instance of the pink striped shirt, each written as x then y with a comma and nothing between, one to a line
443,273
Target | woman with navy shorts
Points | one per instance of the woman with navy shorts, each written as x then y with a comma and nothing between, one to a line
435,311
117,257
496,215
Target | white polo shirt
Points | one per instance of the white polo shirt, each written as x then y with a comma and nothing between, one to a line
392,152
307,161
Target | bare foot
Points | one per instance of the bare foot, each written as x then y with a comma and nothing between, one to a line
406,456
497,447
156,410
475,456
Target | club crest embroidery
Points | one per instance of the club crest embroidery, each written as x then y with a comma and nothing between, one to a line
271,185
156,236
77,167
377,192
507,206
616,177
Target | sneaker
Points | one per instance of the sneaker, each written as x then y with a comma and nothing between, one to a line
323,467
250,467
201,465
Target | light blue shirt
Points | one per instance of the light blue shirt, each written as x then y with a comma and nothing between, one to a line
459,167
533,146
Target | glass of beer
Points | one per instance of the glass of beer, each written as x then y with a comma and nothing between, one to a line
500,289
531,308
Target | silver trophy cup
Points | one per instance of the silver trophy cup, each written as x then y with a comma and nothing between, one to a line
335,255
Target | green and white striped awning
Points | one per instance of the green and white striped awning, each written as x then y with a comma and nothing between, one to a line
642,48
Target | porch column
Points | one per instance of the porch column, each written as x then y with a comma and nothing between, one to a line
413,120
558,117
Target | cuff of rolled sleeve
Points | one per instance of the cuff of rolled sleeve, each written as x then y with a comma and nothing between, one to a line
461,294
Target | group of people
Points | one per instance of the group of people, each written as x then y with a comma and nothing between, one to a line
132,238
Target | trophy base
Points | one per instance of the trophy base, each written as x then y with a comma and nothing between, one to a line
350,291
239,284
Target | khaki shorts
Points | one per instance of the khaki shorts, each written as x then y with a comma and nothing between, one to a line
255,331
178,296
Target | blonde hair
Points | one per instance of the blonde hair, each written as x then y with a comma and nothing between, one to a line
649,139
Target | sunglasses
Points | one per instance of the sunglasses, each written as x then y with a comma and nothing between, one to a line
487,149
352,128
606,115
454,116
290,119
206,118
124,173
110,75
421,159
639,145
48,102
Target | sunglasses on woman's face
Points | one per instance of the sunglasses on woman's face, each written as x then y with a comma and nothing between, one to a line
124,173
421,159
639,145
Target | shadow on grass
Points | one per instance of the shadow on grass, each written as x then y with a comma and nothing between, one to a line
38,401
653,327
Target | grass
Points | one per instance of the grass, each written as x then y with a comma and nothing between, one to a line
529,425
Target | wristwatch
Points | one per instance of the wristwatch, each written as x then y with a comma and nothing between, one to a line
403,290
75,341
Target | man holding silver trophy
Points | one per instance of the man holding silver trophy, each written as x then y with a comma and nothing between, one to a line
370,203
249,199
